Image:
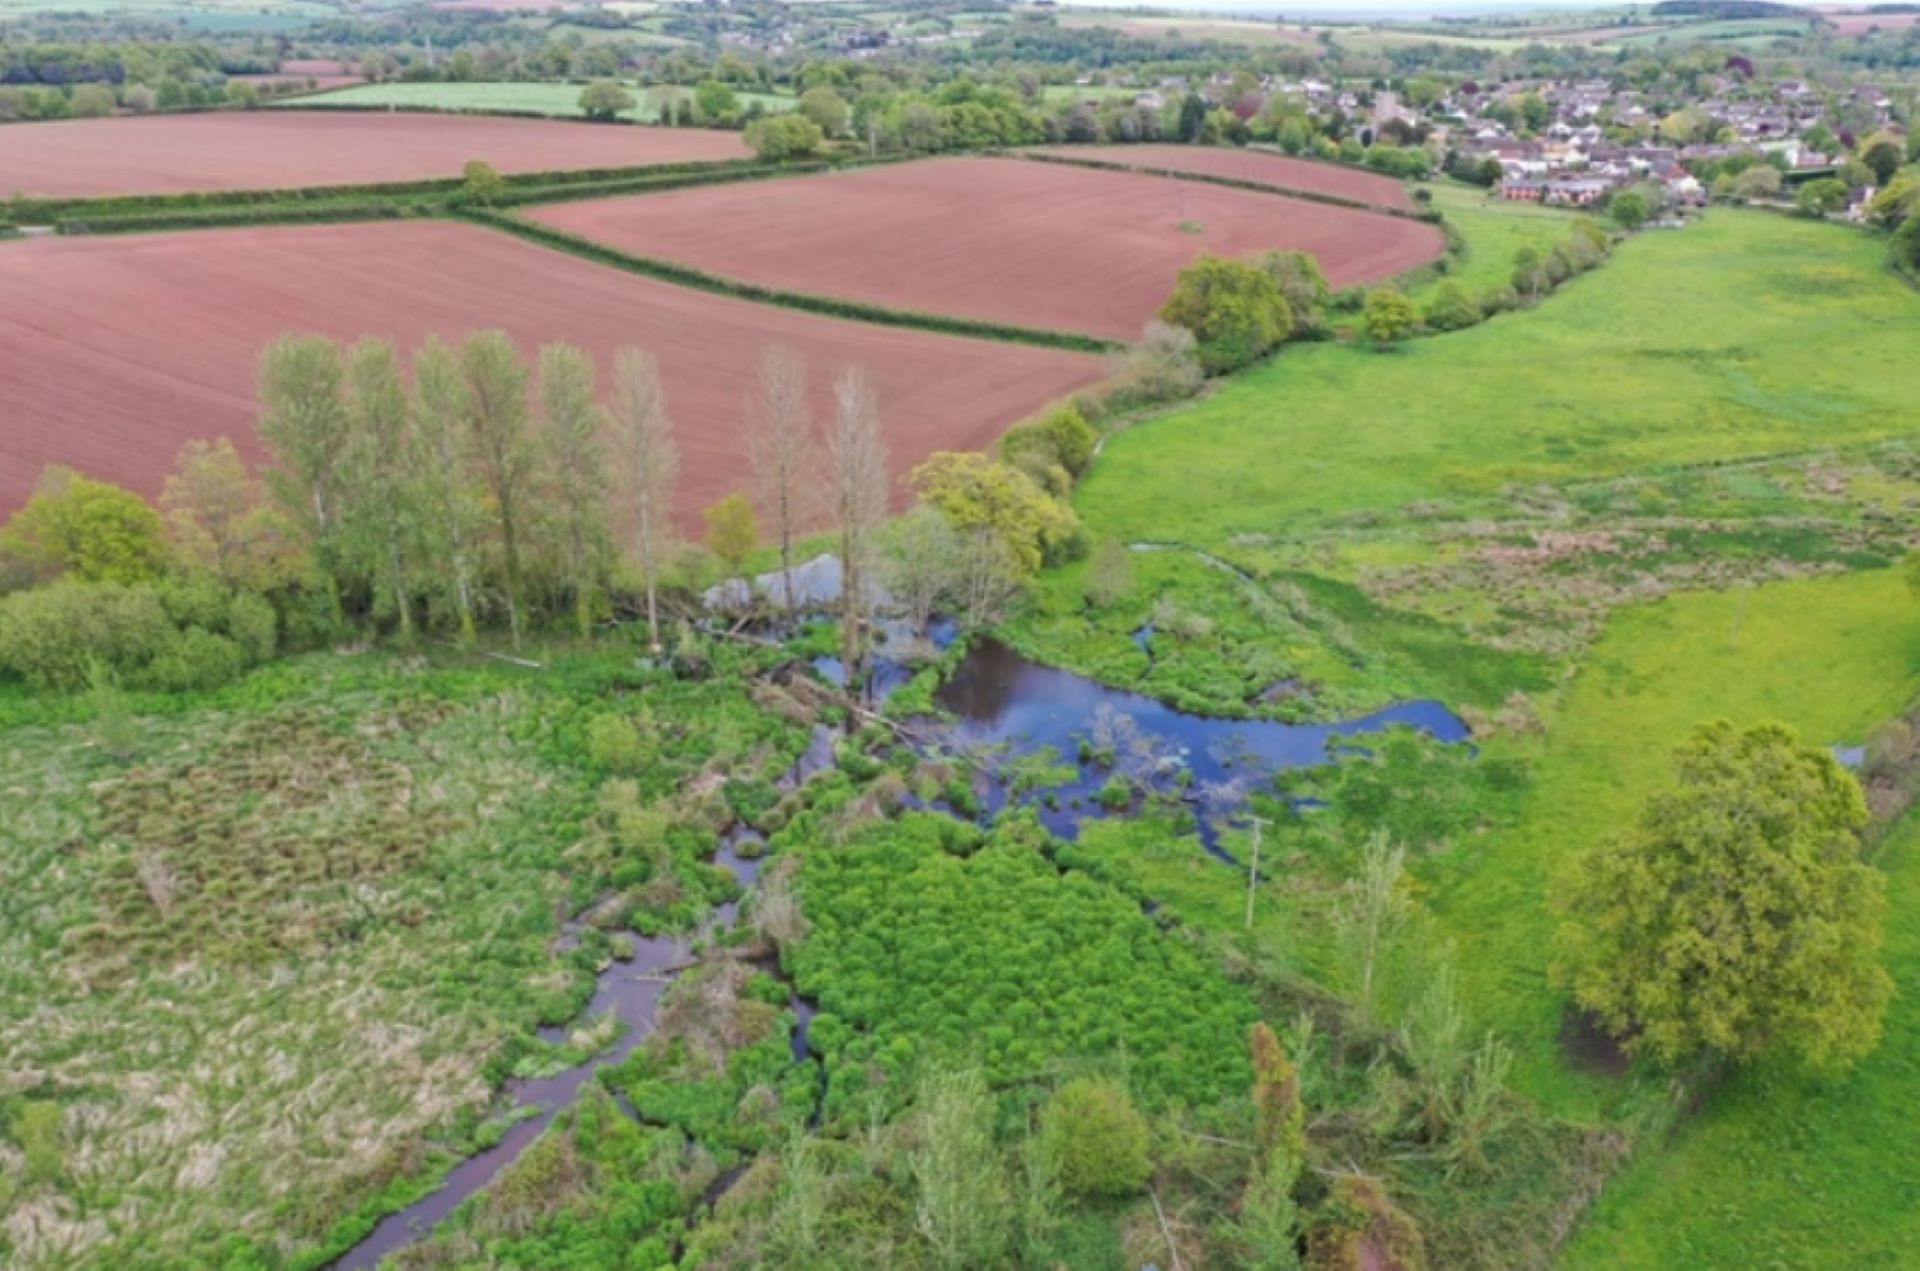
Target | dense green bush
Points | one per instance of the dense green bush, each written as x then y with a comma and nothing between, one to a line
174,634
932,944
1062,440
1097,1139
1235,310
76,526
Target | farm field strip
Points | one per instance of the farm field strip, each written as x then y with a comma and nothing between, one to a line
1282,172
93,380
558,100
172,154
1000,239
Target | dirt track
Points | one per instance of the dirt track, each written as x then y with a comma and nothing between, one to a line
1253,165
271,149
1007,240
115,351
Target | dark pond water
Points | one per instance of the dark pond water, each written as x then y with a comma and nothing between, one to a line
1001,699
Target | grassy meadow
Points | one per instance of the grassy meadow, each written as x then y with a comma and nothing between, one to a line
1669,494
268,953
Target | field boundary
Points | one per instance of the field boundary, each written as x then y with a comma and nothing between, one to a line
172,213
1231,183
47,210
806,302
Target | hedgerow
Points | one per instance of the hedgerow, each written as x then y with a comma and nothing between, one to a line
687,276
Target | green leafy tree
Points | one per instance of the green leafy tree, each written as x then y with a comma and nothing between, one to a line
1736,918
307,424
1883,155
784,137
481,183
605,101
1304,286
976,492
732,532
91,101
1629,209
381,528
451,504
1097,1139
576,466
826,109
1821,198
86,528
1906,245
1056,448
1451,308
715,101
218,520
1895,204
1761,181
502,452
1235,310
1389,317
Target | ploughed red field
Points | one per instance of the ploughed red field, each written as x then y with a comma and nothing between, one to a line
1278,170
116,351
1007,240
273,149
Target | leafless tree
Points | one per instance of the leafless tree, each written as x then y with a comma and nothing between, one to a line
857,467
779,437
652,462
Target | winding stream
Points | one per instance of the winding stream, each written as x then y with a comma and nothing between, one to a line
1005,708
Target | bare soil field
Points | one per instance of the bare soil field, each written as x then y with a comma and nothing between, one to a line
319,73
1007,240
1861,23
115,351
1278,170
257,150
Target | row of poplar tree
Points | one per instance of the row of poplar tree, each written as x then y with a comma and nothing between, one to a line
474,483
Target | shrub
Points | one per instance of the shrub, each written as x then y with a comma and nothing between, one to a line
177,635
1303,284
1096,1138
1063,439
605,100
194,660
1389,317
614,744
1452,309
51,636
1235,310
